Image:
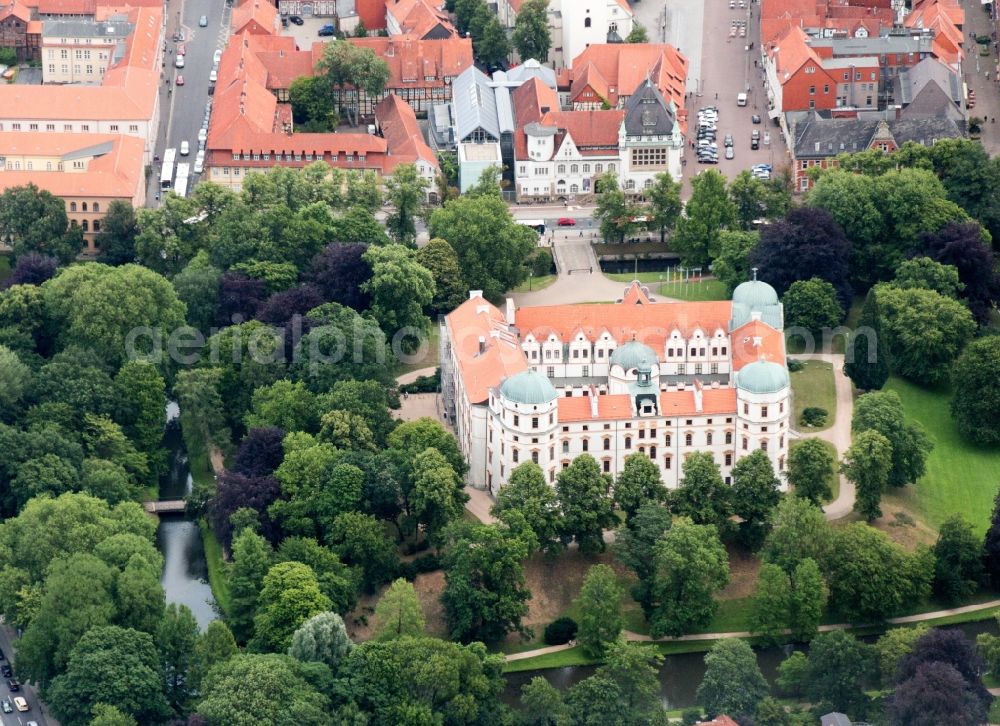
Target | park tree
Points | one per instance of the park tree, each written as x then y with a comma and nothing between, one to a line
324,368
867,464
339,270
637,34
197,286
106,715
400,289
437,496
926,274
32,268
639,483
398,613
732,682
282,306
584,494
289,596
542,704
732,265
866,361
754,496
793,674
808,243
808,600
352,69
34,220
813,306
357,225
664,208
450,290
707,213
810,466
925,330
625,690
321,639
702,495
975,405
531,37
690,565
405,191
962,246
491,46
613,211
635,544
312,104
838,669
239,298
116,666
527,493
756,199
360,541
872,578
235,492
336,580
260,452
952,648
991,544
601,619
491,247
771,609
15,380
201,409
425,677
799,531
882,411
215,645
269,688
116,240
485,596
958,566
175,639
284,405
251,556
893,646
936,693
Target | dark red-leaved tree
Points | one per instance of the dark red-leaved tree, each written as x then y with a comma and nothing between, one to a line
32,268
235,491
961,245
282,306
935,694
239,298
260,452
950,647
339,270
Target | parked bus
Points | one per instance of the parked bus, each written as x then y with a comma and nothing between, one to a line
167,170
181,186
536,224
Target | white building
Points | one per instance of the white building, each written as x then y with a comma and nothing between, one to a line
548,384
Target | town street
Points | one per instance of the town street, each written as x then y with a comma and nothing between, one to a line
37,713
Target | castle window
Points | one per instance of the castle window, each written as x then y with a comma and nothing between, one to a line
565,447
666,462
642,433
746,409
628,442
514,454
607,444
763,445
607,466
586,445
534,422
652,452
781,407
708,438
517,420
746,443
687,439
534,457
586,22
763,411
729,459
667,439
729,437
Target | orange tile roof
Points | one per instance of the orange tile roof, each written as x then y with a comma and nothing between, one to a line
502,356
34,27
116,174
650,324
593,132
66,7
17,10
589,77
530,98
404,140
755,341
611,407
412,62
254,16
283,66
617,406
418,17
626,65
713,401
791,52
635,294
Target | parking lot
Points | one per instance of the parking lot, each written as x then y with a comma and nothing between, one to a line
307,33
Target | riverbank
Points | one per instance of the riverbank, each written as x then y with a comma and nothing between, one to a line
218,580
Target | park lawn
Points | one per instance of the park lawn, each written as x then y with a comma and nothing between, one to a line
201,469
430,358
533,284
217,577
708,289
960,477
834,477
813,386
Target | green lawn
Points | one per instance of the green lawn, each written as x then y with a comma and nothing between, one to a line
201,470
628,251
216,568
834,478
430,359
534,284
706,290
813,386
960,477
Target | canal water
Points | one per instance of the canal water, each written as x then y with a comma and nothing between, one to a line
681,674
185,571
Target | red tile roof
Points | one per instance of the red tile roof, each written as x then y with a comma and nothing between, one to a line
617,406
419,17
502,356
417,63
371,13
17,10
635,294
624,66
66,7
284,66
595,133
791,51
402,133
254,16
755,341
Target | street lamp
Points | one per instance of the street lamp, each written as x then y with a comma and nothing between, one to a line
529,281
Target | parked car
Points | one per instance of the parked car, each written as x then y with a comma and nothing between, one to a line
179,62
755,118
755,134
566,222
295,19
284,22
13,685
217,57
729,152
7,671
202,135
327,30
199,163
213,76
182,50
185,148
767,138
180,80
203,21
6,705
728,141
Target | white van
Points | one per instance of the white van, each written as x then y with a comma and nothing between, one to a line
741,99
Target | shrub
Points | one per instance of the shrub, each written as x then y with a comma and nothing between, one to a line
795,365
690,716
814,416
423,384
426,563
560,631
541,263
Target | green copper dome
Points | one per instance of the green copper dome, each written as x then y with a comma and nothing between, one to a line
762,377
755,294
528,387
633,355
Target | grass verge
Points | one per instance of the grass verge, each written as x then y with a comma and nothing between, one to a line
216,567
535,284
813,387
706,290
430,359
960,477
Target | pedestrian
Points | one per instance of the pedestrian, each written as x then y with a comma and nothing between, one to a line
716,96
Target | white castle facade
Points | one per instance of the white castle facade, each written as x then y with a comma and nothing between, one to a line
546,384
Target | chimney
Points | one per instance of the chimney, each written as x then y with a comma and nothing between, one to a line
593,402
473,294
482,344
509,312
698,405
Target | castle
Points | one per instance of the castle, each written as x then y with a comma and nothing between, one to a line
664,379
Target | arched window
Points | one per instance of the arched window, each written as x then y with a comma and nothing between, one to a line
598,168
687,439
84,225
514,454
97,225
630,184
84,206
628,442
607,444
561,169
586,168
574,168
652,452
72,206
586,22
763,445
729,437
611,168
586,445
574,188
708,438
648,184
97,207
